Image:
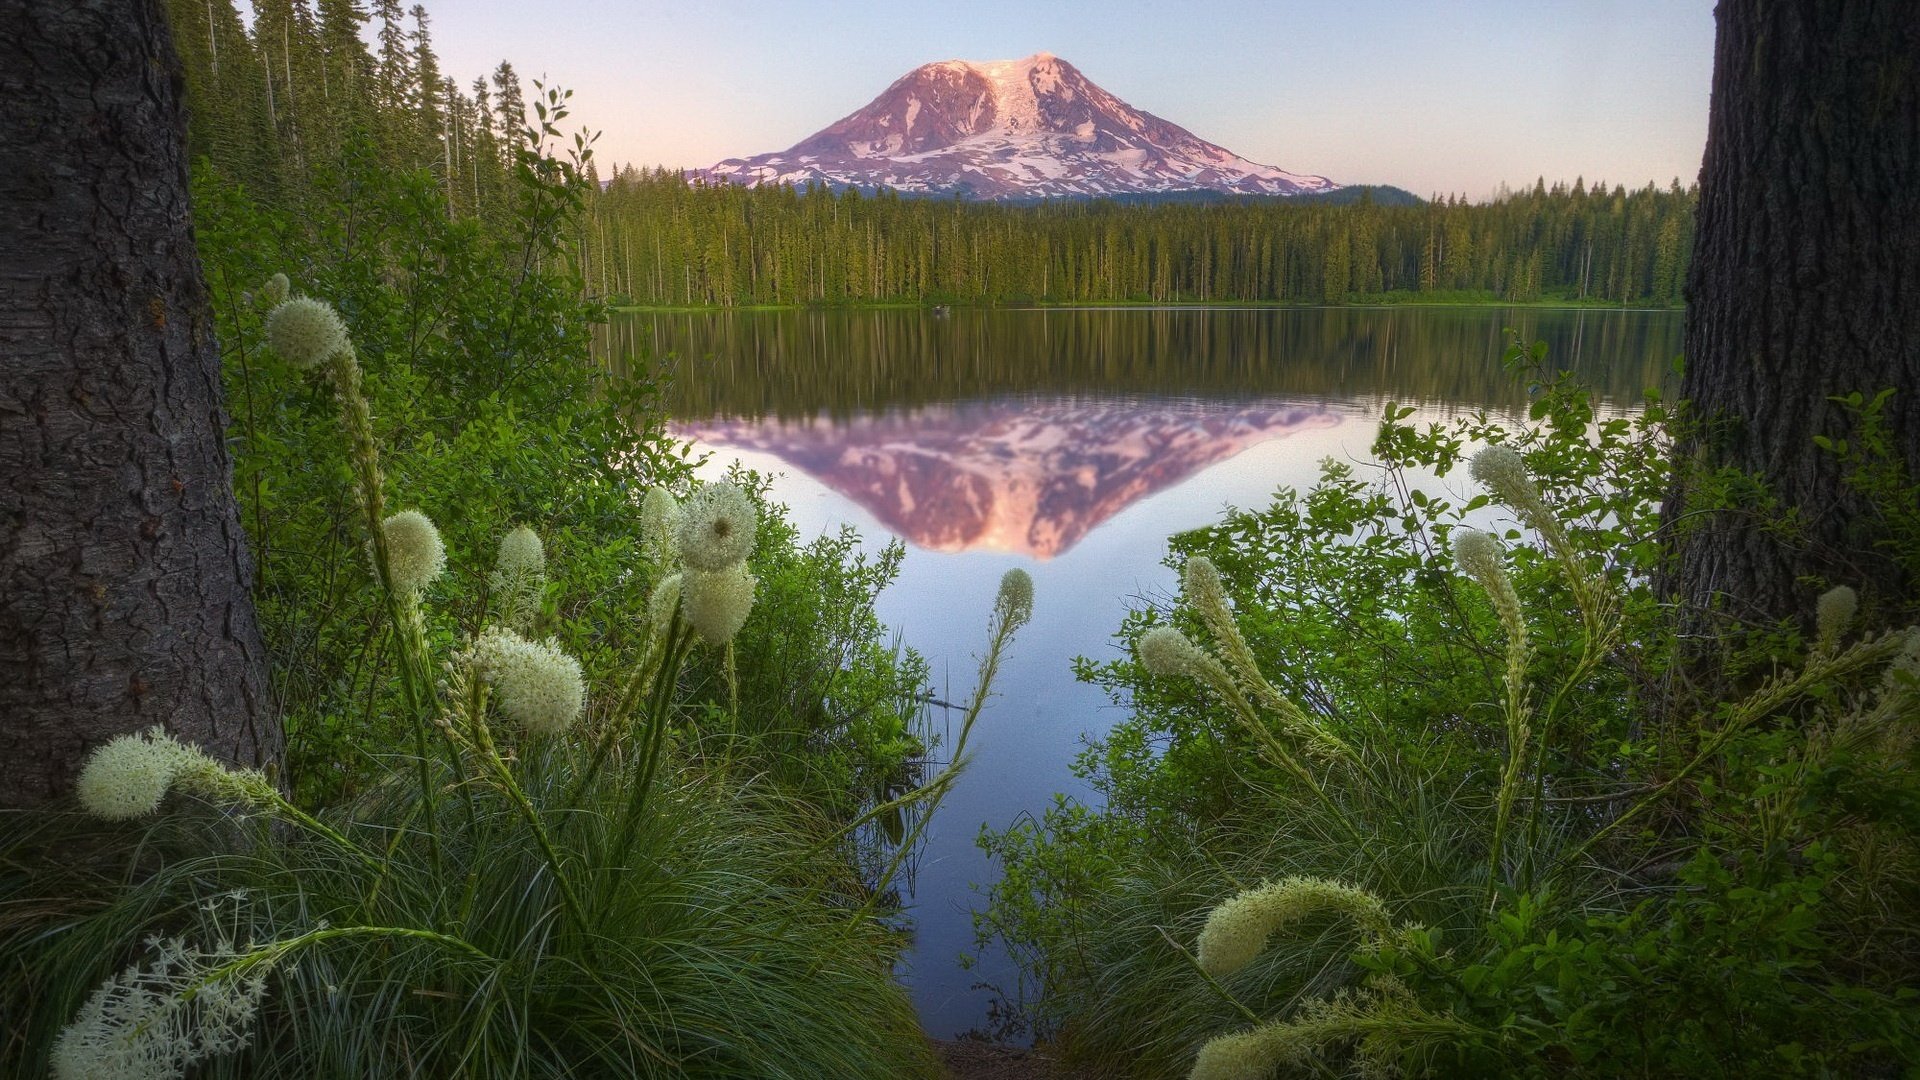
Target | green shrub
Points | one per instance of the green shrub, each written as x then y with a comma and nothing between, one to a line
1584,874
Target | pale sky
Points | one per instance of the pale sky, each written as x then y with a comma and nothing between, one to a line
1430,95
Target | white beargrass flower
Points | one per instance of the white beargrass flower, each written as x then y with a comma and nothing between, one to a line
716,602
1243,1055
519,577
157,1022
415,553
538,686
664,604
521,552
1504,472
276,289
1167,652
1237,930
659,521
716,527
306,332
210,780
130,775
1481,557
1015,602
1833,613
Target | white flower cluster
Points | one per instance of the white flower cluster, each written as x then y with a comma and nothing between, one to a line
155,1023
538,686
716,602
519,577
130,775
306,332
276,289
1480,556
1504,472
415,553
1015,602
659,522
1237,930
713,533
716,527
1833,613
1167,652
521,552
664,603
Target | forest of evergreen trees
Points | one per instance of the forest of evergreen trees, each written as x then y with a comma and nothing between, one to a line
652,237
280,105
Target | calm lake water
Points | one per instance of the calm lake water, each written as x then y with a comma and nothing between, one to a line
1071,443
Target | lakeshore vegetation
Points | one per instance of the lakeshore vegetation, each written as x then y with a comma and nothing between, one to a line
592,769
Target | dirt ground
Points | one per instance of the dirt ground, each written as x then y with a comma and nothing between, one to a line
976,1059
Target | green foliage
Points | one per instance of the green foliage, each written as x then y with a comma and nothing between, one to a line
1727,892
708,951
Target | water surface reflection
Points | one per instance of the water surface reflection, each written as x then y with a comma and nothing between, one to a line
1022,475
1072,444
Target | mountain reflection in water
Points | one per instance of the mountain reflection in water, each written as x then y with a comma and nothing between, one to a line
1072,444
1019,475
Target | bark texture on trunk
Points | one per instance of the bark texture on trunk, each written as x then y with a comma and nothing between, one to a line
1805,284
124,574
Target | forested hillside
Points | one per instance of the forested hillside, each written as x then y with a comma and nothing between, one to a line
652,237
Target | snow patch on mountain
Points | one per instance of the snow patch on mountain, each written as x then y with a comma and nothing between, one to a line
1030,128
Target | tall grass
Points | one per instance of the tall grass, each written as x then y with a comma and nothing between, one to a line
534,889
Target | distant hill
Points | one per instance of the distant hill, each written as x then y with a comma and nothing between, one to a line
1012,130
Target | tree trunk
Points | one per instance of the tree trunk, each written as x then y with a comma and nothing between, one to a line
1805,284
124,574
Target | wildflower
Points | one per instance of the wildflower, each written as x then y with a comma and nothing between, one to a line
659,521
415,554
1167,652
275,290
209,779
1504,472
1832,614
716,527
1200,581
664,603
157,1022
538,686
716,602
521,553
130,775
1237,930
1015,602
519,577
1246,1055
306,332
1481,558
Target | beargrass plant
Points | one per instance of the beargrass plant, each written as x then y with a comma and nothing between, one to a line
550,880
1404,792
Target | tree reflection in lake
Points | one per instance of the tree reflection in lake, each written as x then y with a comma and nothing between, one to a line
1070,444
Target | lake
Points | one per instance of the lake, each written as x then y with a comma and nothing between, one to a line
1072,443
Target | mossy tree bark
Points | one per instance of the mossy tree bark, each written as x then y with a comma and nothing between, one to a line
1804,285
124,574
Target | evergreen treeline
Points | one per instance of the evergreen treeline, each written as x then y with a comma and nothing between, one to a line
279,109
654,238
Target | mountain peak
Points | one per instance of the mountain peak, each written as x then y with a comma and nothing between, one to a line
1029,128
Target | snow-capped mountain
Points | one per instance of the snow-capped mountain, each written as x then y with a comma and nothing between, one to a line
1013,475
1010,129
